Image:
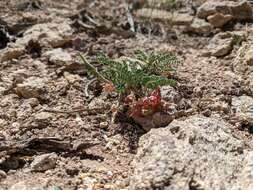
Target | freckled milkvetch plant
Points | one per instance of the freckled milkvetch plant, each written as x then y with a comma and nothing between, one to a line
137,79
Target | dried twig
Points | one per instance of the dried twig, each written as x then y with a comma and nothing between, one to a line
86,88
81,23
42,144
72,111
65,111
130,19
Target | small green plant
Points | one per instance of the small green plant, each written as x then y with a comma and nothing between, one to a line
137,79
238,39
144,71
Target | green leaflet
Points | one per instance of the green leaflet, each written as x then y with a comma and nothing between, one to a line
144,71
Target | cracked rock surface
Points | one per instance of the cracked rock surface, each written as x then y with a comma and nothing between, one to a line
199,153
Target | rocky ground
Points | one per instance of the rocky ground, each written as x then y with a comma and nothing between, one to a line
45,144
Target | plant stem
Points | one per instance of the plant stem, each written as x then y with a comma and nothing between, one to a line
93,70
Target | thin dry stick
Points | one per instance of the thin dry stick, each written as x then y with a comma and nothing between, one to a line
65,112
91,20
72,111
85,25
86,88
130,18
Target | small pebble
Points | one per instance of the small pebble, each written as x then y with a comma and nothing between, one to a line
103,125
2,174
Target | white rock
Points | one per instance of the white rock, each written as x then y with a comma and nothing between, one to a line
200,26
196,153
54,34
2,175
72,78
233,8
43,116
243,107
169,94
218,19
44,162
31,88
221,44
10,53
19,186
165,16
154,121
58,56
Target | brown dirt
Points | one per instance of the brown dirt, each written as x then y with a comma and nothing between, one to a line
204,81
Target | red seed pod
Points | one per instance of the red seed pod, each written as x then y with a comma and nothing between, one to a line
148,105
157,93
136,109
